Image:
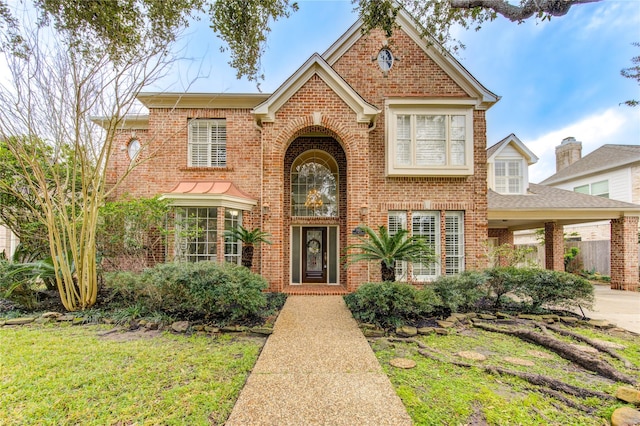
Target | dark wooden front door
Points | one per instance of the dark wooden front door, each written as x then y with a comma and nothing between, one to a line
314,255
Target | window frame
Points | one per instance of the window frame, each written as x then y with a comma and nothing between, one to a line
219,144
508,177
418,268
587,188
232,246
420,107
185,244
402,267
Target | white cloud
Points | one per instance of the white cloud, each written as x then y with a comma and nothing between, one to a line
618,125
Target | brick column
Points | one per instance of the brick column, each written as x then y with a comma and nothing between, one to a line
624,253
554,246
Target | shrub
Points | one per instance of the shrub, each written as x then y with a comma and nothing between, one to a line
462,292
540,287
18,284
225,292
500,281
390,304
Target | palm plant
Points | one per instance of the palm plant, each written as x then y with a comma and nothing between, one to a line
389,249
249,240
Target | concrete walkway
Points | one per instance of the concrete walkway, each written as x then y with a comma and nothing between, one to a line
317,369
616,306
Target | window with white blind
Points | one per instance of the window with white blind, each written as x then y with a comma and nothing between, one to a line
208,143
454,242
397,221
429,141
427,226
509,176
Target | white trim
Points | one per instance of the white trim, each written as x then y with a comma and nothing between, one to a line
209,200
518,145
315,65
201,100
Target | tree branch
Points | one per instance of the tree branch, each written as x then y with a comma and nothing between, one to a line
527,9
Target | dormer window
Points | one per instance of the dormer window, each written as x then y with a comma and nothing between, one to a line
509,176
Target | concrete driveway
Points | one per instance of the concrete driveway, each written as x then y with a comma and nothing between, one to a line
619,307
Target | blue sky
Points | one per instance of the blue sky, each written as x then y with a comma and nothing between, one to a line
556,79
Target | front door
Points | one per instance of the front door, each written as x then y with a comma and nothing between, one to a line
314,255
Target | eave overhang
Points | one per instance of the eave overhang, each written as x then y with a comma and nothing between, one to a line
201,100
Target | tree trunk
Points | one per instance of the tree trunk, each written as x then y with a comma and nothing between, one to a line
247,256
388,273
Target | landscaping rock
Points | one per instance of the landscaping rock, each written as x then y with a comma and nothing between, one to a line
628,394
51,315
78,321
108,320
234,329
210,329
406,331
19,321
263,331
502,315
180,326
540,354
585,349
553,317
198,327
529,317
426,330
487,316
2,322
371,332
600,323
402,363
569,320
452,319
459,317
151,325
625,416
472,355
445,324
608,344
66,318
42,320
519,361
442,331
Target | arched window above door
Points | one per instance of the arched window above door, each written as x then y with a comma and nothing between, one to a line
314,185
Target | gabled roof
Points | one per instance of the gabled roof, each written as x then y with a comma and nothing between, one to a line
316,65
485,98
495,150
607,157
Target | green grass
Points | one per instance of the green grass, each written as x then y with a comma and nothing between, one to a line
437,393
70,375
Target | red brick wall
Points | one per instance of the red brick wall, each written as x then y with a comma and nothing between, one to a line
624,253
554,246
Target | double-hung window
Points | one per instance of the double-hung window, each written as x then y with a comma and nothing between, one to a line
208,143
232,246
397,221
423,140
426,225
454,242
196,233
509,176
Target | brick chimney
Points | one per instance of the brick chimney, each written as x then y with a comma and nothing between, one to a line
568,152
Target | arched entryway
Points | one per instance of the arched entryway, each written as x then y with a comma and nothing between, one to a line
315,212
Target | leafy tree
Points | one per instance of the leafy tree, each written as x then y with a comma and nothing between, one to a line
389,249
249,239
244,24
61,79
634,74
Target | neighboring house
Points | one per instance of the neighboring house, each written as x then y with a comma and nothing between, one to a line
514,204
611,171
8,241
375,131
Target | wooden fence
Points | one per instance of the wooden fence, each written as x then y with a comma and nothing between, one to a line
593,256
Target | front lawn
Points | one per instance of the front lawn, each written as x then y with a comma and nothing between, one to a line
63,375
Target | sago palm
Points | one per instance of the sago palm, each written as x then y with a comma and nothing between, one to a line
249,239
389,249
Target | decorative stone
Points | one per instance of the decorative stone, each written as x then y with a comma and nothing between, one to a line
519,361
553,317
42,320
451,319
487,316
625,416
600,323
151,325
66,318
234,329
180,326
472,355
445,324
426,330
569,320
108,320
51,315
263,331
368,325
198,327
19,321
402,363
442,331
78,321
2,322
471,315
372,332
459,316
502,315
628,394
210,329
143,323
540,354
529,317
585,349
610,345
406,331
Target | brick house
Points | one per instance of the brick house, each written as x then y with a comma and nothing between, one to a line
376,131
